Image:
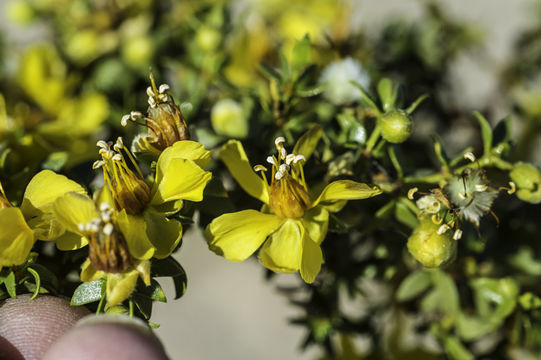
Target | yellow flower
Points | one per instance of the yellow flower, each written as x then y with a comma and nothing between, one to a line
292,223
143,208
95,222
164,122
21,227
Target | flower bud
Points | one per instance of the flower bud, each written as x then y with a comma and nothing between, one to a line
396,126
228,119
432,245
527,178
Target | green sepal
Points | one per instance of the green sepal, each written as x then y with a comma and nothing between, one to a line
9,282
153,291
169,267
88,292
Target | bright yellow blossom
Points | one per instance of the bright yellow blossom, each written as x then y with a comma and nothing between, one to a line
21,227
292,223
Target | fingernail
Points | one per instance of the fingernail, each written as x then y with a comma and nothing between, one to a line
117,319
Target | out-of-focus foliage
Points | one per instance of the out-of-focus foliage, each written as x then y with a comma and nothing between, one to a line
442,259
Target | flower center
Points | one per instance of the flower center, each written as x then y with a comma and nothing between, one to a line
164,122
107,248
129,189
288,192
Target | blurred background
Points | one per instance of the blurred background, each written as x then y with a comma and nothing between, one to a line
228,311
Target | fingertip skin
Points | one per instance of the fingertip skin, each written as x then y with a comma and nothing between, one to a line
29,327
106,341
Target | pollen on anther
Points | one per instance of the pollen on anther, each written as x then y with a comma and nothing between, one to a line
412,192
125,119
299,158
81,227
150,92
270,160
457,235
469,156
443,229
117,157
284,168
283,152
104,206
260,168
163,88
102,144
97,164
278,175
290,158
279,140
136,115
481,187
108,229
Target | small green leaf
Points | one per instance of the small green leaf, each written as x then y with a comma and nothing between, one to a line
455,349
366,98
55,161
285,68
9,281
143,304
308,142
416,103
443,297
88,292
413,285
37,282
153,291
301,56
311,91
48,279
486,132
153,325
268,72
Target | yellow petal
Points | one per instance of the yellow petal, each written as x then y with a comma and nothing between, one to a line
44,188
70,241
345,190
73,209
164,234
186,149
282,252
236,236
134,229
234,157
182,180
16,238
120,286
143,268
316,223
89,272
311,259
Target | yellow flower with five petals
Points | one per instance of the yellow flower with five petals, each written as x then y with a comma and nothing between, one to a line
291,225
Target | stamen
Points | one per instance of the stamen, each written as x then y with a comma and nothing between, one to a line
106,215
163,88
279,175
436,219
97,164
412,192
299,158
270,160
469,156
443,229
81,227
290,158
283,152
124,120
136,115
279,140
117,157
457,235
150,92
108,229
481,187
102,144
104,206
283,168
259,168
